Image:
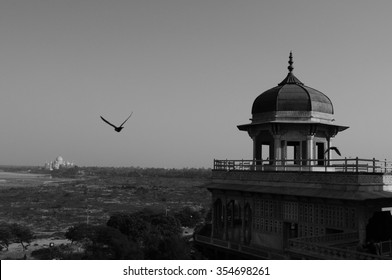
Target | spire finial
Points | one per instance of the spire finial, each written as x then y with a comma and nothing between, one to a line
290,67
290,78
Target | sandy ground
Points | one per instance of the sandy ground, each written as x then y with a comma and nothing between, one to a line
15,250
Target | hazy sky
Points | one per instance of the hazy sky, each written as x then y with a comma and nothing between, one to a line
189,70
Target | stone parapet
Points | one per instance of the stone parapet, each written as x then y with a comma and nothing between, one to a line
349,181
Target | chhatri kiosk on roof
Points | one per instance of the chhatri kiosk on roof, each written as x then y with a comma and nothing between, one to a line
293,122
292,200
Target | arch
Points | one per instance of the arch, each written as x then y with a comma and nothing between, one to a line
234,220
379,227
233,212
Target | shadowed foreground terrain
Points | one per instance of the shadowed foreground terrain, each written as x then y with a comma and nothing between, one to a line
50,203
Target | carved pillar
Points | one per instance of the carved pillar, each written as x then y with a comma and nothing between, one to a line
213,218
231,236
329,151
254,133
277,150
275,131
242,234
362,219
224,209
310,148
283,151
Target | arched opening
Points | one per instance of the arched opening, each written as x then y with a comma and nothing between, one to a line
234,221
379,227
379,233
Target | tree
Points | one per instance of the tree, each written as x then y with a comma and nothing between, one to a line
110,244
103,242
188,217
158,235
159,247
166,226
134,226
79,232
22,234
164,241
5,235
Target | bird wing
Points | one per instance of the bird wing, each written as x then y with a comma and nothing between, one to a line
336,150
126,119
108,122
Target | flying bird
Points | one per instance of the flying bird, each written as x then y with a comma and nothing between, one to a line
335,149
116,128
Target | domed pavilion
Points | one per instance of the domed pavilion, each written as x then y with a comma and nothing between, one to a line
292,124
292,200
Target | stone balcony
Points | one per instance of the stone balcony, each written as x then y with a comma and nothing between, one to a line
347,175
352,179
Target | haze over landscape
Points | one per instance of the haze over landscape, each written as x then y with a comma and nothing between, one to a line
189,71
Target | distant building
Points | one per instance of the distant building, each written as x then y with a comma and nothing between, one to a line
58,163
293,200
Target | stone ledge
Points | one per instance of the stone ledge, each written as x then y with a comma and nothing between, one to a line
373,181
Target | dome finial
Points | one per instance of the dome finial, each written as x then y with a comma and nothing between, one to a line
290,67
290,78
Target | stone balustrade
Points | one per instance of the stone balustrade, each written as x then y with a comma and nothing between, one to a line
306,247
319,165
309,247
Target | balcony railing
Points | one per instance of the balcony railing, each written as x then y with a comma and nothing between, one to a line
256,251
322,165
317,247
335,238
310,247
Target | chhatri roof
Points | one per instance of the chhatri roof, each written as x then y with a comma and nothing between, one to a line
292,95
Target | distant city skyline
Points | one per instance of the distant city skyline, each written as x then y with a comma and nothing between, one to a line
188,70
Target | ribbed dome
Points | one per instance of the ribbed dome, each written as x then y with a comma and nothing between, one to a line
291,110
292,95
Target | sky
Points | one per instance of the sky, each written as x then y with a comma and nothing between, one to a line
188,70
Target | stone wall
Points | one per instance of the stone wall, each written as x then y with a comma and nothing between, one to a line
373,180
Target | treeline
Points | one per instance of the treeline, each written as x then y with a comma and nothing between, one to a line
204,173
140,235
